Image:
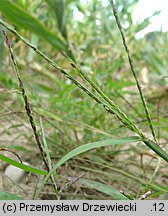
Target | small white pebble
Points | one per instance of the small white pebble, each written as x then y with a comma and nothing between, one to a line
15,174
68,82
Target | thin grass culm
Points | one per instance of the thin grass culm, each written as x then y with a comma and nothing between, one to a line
46,150
110,108
133,69
27,106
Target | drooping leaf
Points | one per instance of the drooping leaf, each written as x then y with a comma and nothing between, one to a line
22,166
87,147
115,194
83,148
21,18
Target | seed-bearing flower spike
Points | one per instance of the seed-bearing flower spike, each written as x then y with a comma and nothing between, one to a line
112,107
27,105
28,109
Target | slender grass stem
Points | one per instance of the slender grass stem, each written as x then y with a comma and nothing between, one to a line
27,105
133,70
110,107
116,110
113,109
46,150
154,174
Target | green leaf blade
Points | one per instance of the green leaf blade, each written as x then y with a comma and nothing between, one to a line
115,194
8,196
23,19
58,7
85,148
22,166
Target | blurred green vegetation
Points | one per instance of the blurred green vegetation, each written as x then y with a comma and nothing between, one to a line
87,31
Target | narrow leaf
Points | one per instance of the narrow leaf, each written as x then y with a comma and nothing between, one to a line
83,148
87,147
58,7
46,113
103,188
21,18
22,166
140,26
9,196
